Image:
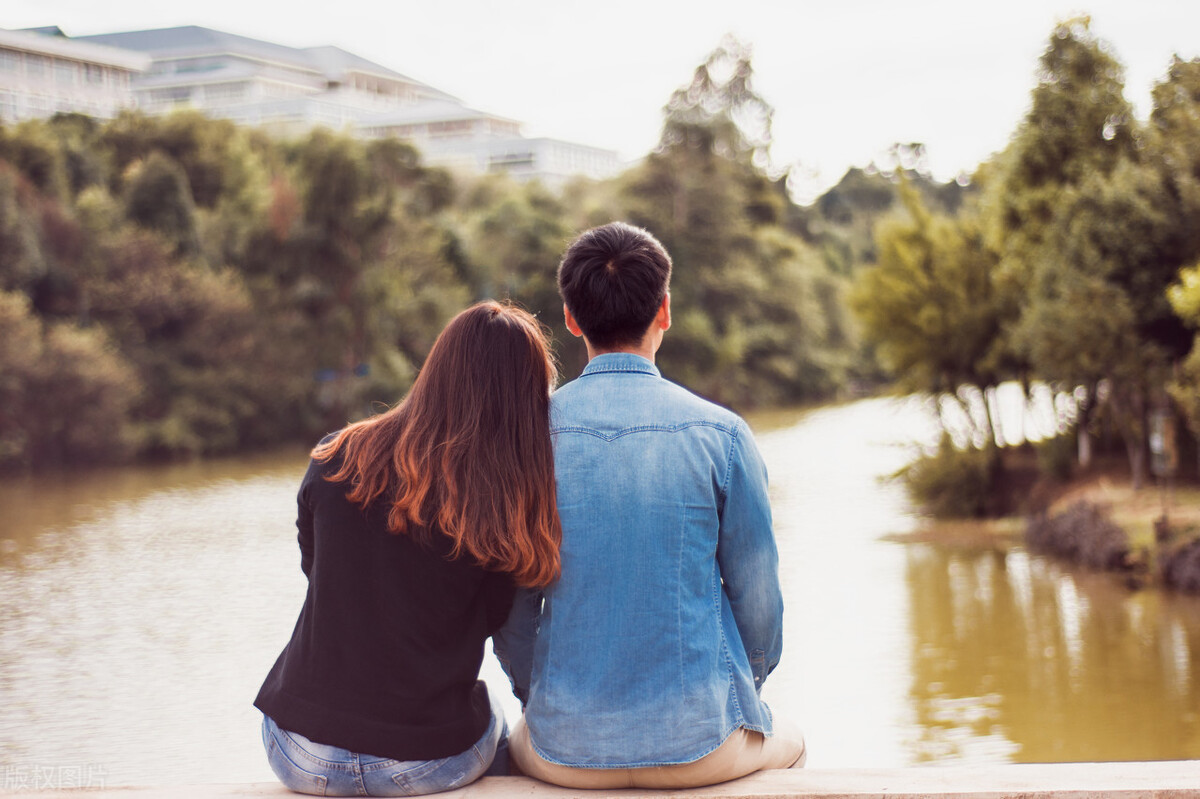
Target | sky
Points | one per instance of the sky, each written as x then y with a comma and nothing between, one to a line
847,78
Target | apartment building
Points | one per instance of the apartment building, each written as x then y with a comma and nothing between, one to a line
253,82
286,90
452,135
289,90
42,73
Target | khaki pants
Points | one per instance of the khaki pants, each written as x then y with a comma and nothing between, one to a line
742,753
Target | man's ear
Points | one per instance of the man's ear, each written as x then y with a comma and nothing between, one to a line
572,325
663,317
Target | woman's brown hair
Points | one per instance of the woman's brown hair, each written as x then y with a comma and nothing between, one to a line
468,451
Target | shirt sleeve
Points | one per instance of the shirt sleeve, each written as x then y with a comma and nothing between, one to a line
748,558
513,643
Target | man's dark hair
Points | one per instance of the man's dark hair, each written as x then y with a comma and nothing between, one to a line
613,279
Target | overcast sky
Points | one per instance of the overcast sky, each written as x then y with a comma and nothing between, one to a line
847,78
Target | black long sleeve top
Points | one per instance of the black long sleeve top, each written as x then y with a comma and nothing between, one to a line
384,659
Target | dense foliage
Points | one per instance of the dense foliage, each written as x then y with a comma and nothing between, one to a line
175,286
1058,266
183,286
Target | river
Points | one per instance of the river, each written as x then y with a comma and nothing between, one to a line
140,608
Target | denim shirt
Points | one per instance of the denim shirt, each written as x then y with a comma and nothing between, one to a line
653,645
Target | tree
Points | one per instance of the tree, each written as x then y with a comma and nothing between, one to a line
65,393
22,259
1070,211
1185,387
159,198
756,313
720,111
931,304
350,266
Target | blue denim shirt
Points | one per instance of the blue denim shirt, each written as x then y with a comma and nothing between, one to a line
654,644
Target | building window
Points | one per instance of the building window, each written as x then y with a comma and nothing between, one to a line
224,92
10,61
456,128
35,66
64,72
178,94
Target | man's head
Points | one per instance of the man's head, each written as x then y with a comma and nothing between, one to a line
613,280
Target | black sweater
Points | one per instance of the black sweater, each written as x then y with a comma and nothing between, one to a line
385,656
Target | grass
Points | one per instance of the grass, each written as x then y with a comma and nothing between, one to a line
1136,511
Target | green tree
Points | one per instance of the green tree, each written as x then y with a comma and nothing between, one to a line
351,268
1069,206
65,393
159,198
1185,385
931,304
22,259
757,316
33,149
720,111
511,237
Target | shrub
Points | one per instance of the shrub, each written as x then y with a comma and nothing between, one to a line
1181,567
954,483
1082,534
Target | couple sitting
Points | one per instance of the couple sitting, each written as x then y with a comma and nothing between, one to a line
613,539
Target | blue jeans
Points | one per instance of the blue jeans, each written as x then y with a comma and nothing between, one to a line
307,767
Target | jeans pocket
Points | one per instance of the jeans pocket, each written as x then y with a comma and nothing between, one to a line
291,774
434,776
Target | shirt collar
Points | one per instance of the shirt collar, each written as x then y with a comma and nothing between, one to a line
620,362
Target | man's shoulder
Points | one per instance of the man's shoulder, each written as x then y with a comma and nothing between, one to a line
654,401
688,403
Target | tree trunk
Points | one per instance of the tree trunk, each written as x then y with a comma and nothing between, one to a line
1129,405
1085,447
991,407
1083,420
964,406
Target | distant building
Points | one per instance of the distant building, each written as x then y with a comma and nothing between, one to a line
43,73
551,160
284,89
254,82
452,135
290,90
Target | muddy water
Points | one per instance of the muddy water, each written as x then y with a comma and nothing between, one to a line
141,608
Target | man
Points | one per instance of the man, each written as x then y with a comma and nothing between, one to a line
642,665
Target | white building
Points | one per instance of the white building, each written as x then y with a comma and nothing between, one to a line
43,73
290,90
286,89
452,135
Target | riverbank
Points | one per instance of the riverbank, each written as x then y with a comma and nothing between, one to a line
1095,518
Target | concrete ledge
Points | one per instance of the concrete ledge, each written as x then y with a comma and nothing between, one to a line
1177,779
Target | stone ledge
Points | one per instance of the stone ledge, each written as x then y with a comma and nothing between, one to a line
1172,779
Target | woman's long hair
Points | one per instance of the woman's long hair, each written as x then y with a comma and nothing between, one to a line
468,451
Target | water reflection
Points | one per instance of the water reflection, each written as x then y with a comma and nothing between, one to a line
1017,658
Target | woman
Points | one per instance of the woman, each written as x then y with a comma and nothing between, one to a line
415,527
